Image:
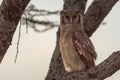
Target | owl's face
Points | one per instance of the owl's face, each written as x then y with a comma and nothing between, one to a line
70,16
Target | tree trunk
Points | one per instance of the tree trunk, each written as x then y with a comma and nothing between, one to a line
10,14
94,15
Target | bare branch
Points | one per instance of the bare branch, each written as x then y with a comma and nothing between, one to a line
40,12
34,13
80,4
47,24
100,72
95,14
10,11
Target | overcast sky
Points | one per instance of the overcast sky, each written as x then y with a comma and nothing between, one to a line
36,49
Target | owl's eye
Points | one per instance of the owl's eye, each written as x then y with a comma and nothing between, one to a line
67,17
75,16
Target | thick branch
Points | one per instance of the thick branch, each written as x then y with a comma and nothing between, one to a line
10,14
100,72
96,13
80,4
92,18
56,69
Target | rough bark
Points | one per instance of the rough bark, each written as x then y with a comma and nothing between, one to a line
99,72
95,14
10,14
79,4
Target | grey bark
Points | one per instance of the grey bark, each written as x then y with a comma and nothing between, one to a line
95,14
10,14
100,72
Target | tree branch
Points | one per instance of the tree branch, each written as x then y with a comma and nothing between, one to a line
32,13
100,72
80,4
40,12
95,14
92,19
56,69
33,22
10,14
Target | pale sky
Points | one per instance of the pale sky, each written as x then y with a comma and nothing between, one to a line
36,49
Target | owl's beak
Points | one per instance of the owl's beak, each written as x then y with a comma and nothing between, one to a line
70,20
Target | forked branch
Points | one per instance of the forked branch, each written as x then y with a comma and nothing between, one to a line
95,14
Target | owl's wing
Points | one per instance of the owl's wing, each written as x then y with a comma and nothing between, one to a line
84,48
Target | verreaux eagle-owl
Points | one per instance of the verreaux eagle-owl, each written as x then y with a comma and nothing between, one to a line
77,50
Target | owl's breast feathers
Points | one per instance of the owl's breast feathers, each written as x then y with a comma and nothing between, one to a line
84,48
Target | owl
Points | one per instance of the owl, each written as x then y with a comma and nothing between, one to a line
77,50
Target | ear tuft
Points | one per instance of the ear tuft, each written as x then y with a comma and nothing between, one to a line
62,11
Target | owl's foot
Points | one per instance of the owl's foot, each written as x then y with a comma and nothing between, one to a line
68,69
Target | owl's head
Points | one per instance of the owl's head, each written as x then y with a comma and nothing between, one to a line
70,16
